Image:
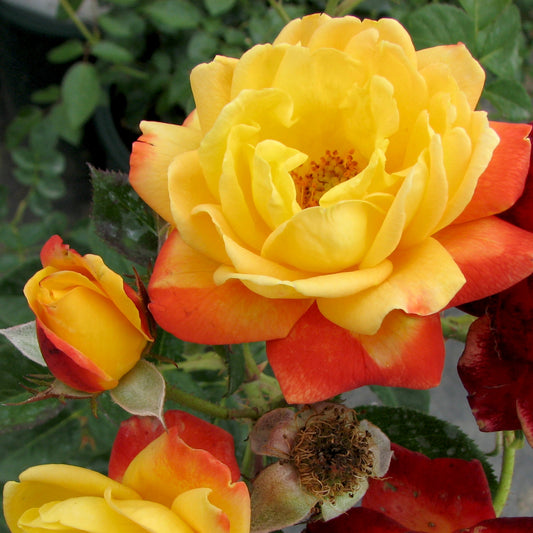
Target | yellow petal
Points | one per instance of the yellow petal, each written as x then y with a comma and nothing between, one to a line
188,193
211,86
411,287
464,68
92,324
321,239
272,186
328,286
83,514
196,509
148,516
151,156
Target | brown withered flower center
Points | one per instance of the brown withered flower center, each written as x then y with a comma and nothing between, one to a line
331,453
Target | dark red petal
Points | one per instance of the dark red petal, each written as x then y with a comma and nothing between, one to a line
504,525
137,432
319,359
358,520
438,495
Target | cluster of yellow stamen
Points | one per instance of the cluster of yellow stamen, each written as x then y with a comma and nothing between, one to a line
316,178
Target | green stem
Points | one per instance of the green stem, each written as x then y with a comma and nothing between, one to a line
331,7
215,410
91,39
510,444
276,5
456,327
346,6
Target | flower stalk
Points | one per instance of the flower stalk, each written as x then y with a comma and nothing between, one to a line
512,441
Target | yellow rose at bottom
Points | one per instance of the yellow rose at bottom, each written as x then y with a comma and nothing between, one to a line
159,494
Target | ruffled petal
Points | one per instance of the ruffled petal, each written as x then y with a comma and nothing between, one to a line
502,183
411,287
319,359
493,383
186,302
137,432
152,154
168,467
492,254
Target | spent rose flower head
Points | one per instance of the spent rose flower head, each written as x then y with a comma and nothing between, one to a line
331,193
326,459
91,326
170,484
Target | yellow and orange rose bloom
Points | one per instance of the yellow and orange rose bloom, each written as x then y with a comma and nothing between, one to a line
91,326
331,193
170,485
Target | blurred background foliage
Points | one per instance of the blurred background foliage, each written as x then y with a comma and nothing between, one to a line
130,60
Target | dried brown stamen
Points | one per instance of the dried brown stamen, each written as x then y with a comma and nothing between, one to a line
331,453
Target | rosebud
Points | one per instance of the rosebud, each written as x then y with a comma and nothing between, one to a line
326,457
91,326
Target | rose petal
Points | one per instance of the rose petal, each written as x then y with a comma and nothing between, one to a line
424,494
186,302
150,158
168,467
357,520
492,254
502,183
505,525
137,432
319,359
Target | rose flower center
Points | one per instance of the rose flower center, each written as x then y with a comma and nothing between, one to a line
316,178
331,454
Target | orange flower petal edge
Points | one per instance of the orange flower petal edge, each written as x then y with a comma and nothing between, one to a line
408,351
187,303
168,467
137,432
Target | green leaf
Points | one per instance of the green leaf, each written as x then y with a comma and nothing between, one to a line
21,125
46,96
68,132
122,24
217,7
65,52
112,52
499,44
80,90
400,397
141,391
437,24
426,434
172,15
51,185
24,338
511,99
121,218
202,47
483,12
26,416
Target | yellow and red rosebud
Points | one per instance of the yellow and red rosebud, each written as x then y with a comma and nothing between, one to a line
425,495
331,194
168,486
91,326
